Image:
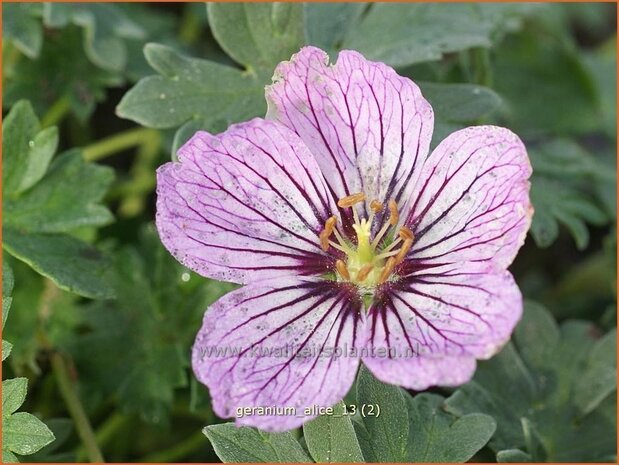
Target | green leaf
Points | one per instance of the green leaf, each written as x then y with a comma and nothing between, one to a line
56,204
331,438
562,191
190,88
383,428
512,456
257,35
407,33
458,105
531,389
62,73
62,429
22,433
234,444
7,289
460,102
437,436
6,349
27,150
105,28
72,264
22,27
13,394
599,379
137,347
546,87
326,24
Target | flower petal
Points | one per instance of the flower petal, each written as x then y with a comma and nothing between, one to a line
421,373
367,127
244,205
441,313
471,201
274,344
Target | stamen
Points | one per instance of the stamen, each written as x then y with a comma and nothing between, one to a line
376,206
380,235
325,234
341,248
330,224
324,240
340,266
406,233
394,216
404,250
364,272
387,270
339,237
351,200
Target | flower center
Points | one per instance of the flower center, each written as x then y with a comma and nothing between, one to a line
370,261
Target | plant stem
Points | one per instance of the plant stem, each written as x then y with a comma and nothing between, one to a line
118,143
56,112
105,432
179,451
74,405
61,372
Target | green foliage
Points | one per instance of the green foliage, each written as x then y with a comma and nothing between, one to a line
562,193
22,433
435,436
551,391
385,425
383,437
143,337
234,445
187,89
257,35
38,200
62,73
327,24
558,105
404,34
105,28
21,27
331,438
458,105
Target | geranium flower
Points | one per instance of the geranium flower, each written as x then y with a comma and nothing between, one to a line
351,242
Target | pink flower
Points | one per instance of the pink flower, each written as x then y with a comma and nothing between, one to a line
351,242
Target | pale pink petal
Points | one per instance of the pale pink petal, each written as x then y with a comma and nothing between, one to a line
471,199
369,128
421,373
244,205
437,318
275,344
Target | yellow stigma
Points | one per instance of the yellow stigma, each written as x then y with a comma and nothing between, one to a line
370,259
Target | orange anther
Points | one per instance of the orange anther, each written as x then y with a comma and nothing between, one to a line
326,233
324,240
351,200
330,225
394,216
364,272
376,206
406,233
340,266
387,270
403,250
